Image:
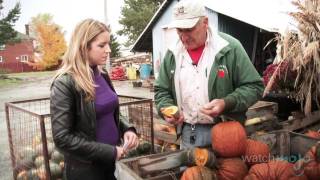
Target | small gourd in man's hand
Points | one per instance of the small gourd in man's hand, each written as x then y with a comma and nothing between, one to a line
170,111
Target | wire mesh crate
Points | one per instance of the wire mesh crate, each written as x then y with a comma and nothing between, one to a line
30,139
139,112
32,150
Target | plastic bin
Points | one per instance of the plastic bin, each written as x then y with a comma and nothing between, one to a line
132,73
145,71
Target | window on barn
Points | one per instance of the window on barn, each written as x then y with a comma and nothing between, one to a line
1,59
24,58
2,47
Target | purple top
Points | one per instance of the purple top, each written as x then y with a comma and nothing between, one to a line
106,101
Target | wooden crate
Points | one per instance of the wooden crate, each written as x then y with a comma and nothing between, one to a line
266,112
299,121
287,145
129,169
261,108
284,145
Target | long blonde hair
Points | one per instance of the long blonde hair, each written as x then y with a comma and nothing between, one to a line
75,61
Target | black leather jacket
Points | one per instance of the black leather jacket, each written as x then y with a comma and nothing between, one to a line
74,123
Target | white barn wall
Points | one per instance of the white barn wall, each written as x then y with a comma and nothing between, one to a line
162,37
158,38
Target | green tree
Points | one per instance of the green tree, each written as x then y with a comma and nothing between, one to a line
135,16
7,33
115,47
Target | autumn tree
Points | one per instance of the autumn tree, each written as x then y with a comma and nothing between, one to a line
7,33
51,44
115,47
135,16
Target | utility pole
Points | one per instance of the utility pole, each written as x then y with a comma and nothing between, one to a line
106,21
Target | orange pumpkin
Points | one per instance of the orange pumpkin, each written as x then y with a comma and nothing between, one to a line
273,170
170,111
173,147
313,134
256,152
231,169
311,165
201,156
198,173
229,139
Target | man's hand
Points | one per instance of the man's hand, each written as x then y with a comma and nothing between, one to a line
175,120
213,108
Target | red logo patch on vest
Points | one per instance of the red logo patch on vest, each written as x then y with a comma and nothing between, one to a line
221,73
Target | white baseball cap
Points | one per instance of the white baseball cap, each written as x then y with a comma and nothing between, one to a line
186,14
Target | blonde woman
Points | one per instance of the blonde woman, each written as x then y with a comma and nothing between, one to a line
86,125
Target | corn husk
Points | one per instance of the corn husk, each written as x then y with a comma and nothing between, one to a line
302,51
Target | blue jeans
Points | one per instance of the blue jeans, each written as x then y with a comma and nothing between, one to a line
199,137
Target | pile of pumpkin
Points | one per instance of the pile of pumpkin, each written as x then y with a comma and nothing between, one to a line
30,162
241,158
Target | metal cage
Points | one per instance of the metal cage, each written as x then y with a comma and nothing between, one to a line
30,135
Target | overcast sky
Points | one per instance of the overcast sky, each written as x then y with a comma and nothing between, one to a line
66,13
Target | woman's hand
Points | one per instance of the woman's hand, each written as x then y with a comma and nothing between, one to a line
130,140
120,152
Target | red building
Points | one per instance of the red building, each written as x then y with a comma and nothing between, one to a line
14,57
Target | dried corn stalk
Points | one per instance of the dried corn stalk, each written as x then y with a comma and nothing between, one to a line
301,50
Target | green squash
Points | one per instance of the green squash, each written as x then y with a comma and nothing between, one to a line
28,175
55,170
57,157
39,151
27,153
24,164
22,175
143,148
39,161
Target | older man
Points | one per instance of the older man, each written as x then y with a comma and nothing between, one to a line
208,75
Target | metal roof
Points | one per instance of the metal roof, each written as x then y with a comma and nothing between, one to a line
270,15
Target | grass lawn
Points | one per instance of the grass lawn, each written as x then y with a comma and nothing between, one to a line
18,78
32,74
9,82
